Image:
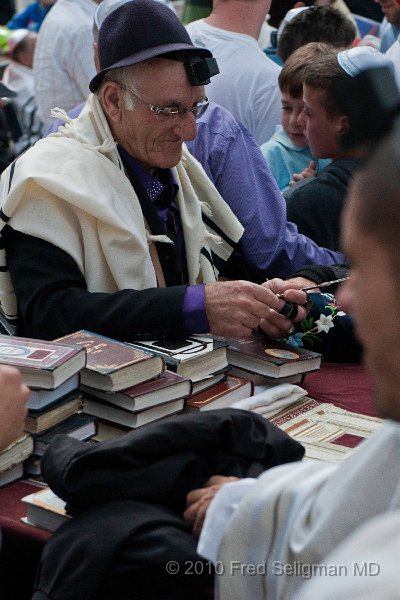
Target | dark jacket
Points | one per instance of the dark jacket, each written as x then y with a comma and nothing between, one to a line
128,496
315,204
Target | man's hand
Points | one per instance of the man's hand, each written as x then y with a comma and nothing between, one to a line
198,501
303,282
310,171
13,398
234,308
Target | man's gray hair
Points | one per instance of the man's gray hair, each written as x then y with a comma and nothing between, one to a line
126,77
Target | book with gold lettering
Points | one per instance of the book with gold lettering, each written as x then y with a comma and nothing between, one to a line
112,365
269,357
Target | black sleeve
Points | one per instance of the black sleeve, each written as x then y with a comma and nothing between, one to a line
321,273
53,299
315,209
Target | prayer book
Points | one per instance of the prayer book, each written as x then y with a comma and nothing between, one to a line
41,420
12,474
16,452
327,432
42,364
221,395
269,357
41,398
45,510
196,357
258,379
79,426
126,417
169,386
111,365
207,382
109,431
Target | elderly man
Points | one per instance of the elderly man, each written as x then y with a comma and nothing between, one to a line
285,523
111,226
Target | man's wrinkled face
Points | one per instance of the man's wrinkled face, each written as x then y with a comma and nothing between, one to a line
154,140
371,296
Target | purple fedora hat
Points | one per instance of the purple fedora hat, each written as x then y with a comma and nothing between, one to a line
143,29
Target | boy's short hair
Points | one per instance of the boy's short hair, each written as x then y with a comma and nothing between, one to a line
317,24
292,74
326,74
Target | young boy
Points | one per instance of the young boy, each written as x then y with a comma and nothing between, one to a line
315,203
287,152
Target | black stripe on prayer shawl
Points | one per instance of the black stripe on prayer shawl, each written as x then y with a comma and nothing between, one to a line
12,169
218,231
3,216
3,269
218,262
205,253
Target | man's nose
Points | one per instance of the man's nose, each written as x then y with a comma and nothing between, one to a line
186,127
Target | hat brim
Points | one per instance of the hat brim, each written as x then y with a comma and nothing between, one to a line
145,55
5,92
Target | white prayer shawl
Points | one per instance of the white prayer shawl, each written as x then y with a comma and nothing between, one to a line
364,567
296,514
71,190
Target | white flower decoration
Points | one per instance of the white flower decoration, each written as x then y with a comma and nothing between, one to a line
324,323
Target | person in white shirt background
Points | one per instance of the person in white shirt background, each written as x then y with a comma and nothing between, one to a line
63,62
248,81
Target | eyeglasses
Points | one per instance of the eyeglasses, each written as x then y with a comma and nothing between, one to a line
172,113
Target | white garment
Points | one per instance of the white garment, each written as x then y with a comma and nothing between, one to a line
63,63
364,567
71,190
394,54
269,400
247,84
298,513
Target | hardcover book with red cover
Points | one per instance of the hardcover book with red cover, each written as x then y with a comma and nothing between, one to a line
42,364
269,357
222,394
113,365
169,386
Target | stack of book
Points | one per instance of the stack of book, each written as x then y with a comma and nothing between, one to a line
269,362
224,371
254,361
125,386
12,459
51,370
